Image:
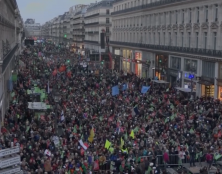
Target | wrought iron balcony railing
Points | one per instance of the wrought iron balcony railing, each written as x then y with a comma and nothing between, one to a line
145,6
90,41
7,58
196,51
93,23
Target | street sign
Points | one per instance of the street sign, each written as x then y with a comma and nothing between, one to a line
9,151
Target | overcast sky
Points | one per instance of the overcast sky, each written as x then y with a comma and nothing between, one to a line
45,10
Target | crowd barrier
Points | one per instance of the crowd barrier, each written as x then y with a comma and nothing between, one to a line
158,160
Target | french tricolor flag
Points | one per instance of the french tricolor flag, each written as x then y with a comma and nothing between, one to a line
84,145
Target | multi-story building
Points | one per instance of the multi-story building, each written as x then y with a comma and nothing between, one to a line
98,25
179,41
46,29
65,31
77,27
32,28
11,36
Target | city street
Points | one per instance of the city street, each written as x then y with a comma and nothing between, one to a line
111,87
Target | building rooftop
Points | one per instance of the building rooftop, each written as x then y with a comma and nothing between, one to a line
103,3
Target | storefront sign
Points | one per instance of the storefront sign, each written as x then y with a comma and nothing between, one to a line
10,161
9,151
16,170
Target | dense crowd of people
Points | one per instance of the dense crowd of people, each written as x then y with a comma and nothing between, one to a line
89,130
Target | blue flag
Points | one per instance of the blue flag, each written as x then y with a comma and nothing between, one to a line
145,89
124,87
115,90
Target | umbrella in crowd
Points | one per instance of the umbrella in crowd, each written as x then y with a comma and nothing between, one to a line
109,122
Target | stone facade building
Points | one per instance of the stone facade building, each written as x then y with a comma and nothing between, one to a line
171,39
11,36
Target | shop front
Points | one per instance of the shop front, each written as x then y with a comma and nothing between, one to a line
207,86
126,65
219,81
117,59
207,79
138,64
126,60
161,67
174,70
173,76
189,81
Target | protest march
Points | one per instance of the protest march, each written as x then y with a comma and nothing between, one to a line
70,121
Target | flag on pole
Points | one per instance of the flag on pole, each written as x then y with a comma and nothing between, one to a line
62,116
132,134
84,146
107,144
91,136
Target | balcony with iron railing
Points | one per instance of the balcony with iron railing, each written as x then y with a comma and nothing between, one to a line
8,57
91,23
165,48
90,41
92,15
146,6
92,32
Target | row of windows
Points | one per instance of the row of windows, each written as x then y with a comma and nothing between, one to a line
133,3
178,16
171,39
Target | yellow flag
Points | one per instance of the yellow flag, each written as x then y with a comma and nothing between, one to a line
132,134
107,144
91,136
122,143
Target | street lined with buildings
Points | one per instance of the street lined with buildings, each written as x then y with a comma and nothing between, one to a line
115,82
171,40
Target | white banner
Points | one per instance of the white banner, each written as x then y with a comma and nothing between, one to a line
10,161
9,151
56,140
16,170
37,105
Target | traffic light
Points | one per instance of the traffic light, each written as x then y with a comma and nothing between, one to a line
68,61
102,62
65,35
160,60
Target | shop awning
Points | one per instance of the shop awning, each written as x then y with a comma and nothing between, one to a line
160,81
183,89
204,82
